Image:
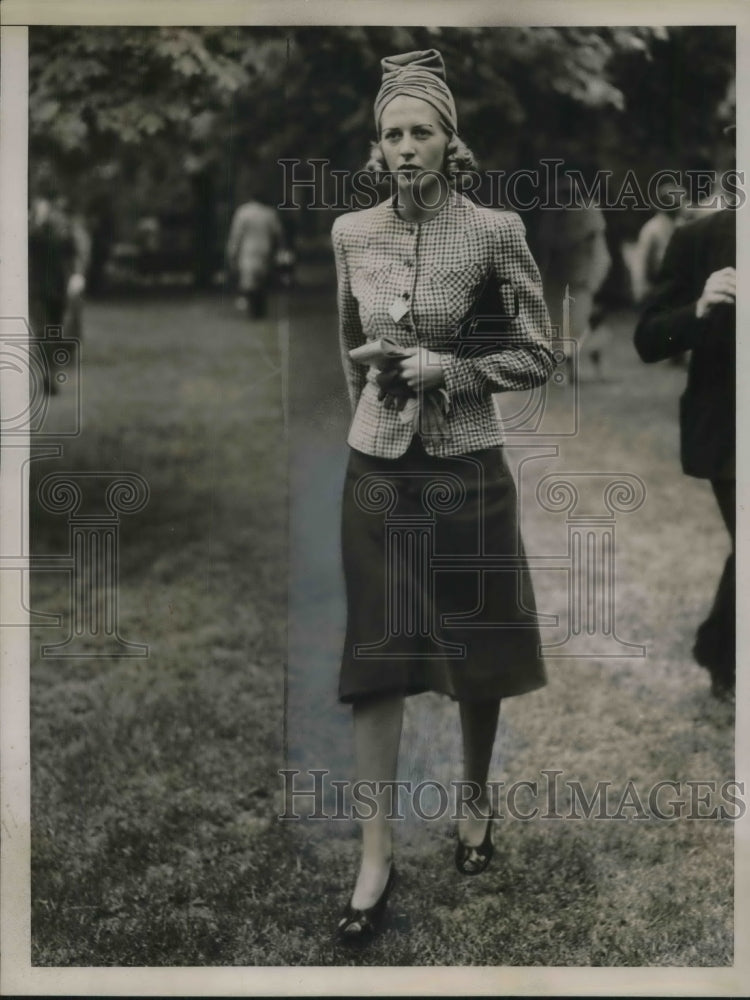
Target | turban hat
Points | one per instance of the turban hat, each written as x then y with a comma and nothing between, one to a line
421,75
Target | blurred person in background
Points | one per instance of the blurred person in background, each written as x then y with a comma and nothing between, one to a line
73,318
692,308
672,210
101,223
286,258
59,252
571,250
255,239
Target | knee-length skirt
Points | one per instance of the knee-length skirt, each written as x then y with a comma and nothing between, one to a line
439,595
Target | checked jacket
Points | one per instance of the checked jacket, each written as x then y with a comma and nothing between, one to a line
435,268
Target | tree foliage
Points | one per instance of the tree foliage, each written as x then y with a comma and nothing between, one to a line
94,86
167,103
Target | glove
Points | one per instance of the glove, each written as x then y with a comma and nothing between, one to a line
393,392
428,413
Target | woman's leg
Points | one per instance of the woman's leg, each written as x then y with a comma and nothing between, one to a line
478,728
377,734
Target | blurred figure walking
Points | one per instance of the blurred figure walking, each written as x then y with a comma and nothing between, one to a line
574,260
59,253
672,211
255,237
73,318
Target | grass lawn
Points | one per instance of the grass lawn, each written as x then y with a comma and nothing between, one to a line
154,781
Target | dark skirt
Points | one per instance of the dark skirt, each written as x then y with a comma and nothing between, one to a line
439,596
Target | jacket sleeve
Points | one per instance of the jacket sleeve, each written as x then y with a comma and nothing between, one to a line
668,324
350,327
526,359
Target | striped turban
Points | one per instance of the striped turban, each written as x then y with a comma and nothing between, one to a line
421,75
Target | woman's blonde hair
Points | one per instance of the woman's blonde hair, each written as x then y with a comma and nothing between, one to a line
458,158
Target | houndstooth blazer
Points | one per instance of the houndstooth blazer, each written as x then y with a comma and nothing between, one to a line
435,269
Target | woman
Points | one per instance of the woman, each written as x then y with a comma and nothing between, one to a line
410,269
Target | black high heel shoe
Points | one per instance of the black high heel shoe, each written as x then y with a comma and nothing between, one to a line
356,926
474,860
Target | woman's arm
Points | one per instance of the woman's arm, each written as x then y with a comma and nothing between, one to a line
350,327
527,360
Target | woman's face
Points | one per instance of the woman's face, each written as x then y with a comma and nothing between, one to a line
412,139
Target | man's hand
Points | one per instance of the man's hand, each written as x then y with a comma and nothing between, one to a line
421,369
720,287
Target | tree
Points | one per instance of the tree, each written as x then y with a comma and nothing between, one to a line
96,91
188,111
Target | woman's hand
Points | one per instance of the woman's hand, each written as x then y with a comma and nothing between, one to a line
422,370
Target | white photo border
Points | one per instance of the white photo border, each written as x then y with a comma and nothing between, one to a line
18,977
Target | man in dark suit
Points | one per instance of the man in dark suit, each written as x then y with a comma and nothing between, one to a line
692,309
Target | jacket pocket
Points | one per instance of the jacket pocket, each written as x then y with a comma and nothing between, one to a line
455,289
369,278
457,280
